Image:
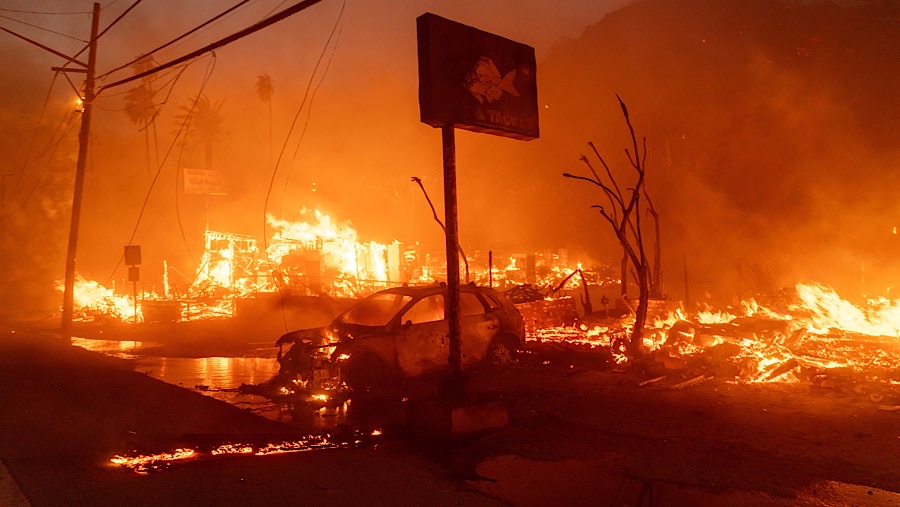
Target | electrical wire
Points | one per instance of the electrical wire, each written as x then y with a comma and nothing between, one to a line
209,70
173,41
42,28
50,158
168,84
37,126
115,21
271,20
47,13
287,139
136,2
296,117
309,110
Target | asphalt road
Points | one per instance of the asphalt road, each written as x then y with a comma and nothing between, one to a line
578,434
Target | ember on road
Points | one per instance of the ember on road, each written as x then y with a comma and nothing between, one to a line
574,433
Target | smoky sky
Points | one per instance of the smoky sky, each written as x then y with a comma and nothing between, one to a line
771,131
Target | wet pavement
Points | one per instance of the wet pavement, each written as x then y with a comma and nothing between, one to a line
222,377
568,452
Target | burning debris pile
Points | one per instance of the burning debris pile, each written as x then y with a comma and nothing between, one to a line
315,256
813,335
816,337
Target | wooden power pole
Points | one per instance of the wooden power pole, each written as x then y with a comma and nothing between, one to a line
83,138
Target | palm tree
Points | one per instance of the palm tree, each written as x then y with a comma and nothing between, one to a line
140,106
204,125
265,90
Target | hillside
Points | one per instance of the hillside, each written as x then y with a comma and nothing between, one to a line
772,129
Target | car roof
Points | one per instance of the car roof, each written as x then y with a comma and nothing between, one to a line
427,290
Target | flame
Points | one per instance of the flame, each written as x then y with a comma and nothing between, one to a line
91,297
336,243
821,331
827,310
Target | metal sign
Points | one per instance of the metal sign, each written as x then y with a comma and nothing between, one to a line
204,182
476,80
132,255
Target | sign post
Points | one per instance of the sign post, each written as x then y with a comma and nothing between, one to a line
477,81
133,261
451,219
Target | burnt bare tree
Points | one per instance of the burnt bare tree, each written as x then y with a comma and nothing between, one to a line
624,216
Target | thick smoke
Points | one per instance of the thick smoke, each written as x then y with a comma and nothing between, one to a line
772,134
771,126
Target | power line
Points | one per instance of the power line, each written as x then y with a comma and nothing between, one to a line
209,70
297,116
107,28
55,146
47,13
42,28
290,11
37,126
173,41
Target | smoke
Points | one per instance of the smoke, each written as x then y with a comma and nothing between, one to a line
772,144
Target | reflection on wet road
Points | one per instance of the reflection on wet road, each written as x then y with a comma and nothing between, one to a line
220,378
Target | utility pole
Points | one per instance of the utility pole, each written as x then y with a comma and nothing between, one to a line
89,70
83,139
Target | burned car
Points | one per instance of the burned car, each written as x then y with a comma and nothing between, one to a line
400,333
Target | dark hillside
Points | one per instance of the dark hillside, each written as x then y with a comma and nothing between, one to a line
773,127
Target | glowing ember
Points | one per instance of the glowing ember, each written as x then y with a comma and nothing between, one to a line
144,464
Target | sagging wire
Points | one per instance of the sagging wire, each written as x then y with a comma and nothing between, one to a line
17,11
115,21
309,113
42,28
167,84
288,137
306,95
37,127
55,146
173,41
209,71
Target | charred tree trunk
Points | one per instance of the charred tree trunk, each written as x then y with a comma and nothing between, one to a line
656,277
624,215
636,343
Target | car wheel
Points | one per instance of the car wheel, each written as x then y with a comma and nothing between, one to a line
365,372
504,350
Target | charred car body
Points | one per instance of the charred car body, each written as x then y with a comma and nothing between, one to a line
400,333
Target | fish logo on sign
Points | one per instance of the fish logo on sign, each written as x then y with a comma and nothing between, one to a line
486,84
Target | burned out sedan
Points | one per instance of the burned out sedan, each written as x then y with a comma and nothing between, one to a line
402,332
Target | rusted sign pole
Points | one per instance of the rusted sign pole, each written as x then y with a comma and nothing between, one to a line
478,81
451,218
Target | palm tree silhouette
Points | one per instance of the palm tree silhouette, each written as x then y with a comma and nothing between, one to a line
204,125
265,90
141,107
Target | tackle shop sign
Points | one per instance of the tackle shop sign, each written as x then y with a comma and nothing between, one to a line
476,80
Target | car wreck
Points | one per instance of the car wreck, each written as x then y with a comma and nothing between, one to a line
400,333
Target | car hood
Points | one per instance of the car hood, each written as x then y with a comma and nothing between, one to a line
315,336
